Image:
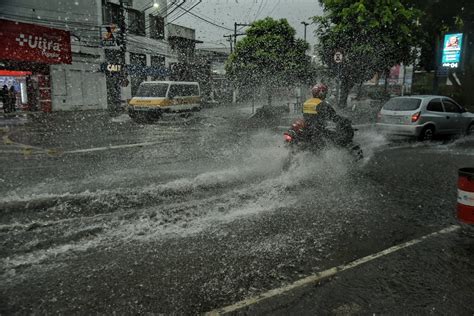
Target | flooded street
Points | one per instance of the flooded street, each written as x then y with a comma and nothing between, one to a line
237,157
196,212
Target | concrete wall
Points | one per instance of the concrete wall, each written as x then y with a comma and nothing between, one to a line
79,86
181,31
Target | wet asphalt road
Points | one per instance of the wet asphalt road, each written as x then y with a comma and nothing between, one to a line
195,213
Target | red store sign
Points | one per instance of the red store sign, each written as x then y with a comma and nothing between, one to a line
31,42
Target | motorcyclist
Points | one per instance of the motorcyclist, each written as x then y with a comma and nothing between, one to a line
317,112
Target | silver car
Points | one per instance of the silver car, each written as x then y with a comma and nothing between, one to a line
424,116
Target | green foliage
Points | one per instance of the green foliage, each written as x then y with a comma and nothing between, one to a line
440,16
372,35
269,55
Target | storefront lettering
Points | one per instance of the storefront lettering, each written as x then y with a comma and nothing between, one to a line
114,68
38,42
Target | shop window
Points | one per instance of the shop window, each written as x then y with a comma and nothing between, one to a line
157,27
136,22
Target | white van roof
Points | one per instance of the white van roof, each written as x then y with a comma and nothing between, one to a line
168,82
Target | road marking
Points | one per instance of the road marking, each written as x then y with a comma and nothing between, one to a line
111,147
7,140
318,277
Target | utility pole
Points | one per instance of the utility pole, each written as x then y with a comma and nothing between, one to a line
122,34
235,31
305,25
230,42
115,56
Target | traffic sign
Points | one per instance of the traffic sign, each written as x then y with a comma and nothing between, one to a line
338,57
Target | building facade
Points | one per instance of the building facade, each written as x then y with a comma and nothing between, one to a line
91,73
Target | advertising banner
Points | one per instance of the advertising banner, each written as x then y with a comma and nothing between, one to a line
35,43
452,48
109,36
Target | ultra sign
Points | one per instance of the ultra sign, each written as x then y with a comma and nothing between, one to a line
452,48
30,42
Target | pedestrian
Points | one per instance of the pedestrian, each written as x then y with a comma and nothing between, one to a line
12,97
5,99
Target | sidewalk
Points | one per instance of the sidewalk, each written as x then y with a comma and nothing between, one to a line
358,111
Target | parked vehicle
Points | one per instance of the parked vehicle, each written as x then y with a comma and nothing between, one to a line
156,97
424,116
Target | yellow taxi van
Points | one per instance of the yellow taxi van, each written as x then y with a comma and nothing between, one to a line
153,98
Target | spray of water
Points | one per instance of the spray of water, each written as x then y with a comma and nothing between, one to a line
253,183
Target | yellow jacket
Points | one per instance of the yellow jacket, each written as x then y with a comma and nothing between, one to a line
311,105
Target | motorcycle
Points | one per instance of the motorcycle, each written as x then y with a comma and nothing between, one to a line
299,137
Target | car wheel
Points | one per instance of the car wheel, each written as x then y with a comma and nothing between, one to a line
427,134
470,129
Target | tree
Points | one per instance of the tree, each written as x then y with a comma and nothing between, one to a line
372,35
268,56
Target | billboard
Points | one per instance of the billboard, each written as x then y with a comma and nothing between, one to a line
109,36
32,42
452,48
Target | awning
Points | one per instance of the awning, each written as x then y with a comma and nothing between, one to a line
14,73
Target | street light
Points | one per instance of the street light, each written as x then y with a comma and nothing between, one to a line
155,5
305,25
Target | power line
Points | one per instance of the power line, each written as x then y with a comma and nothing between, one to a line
179,5
276,5
185,11
210,22
258,10
187,5
207,17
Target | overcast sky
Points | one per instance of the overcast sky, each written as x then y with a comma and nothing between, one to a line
226,12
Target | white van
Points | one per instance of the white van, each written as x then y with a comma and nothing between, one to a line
155,97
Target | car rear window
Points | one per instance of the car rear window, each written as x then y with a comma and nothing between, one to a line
152,90
402,104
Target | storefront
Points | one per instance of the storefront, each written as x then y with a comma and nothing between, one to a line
26,53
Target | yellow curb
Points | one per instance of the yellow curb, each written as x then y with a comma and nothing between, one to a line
27,151
7,140
53,152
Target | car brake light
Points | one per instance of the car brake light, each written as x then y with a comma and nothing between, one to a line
288,138
415,117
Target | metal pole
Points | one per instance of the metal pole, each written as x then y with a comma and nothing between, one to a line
122,26
338,89
305,25
123,49
229,39
435,76
403,80
235,34
253,101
